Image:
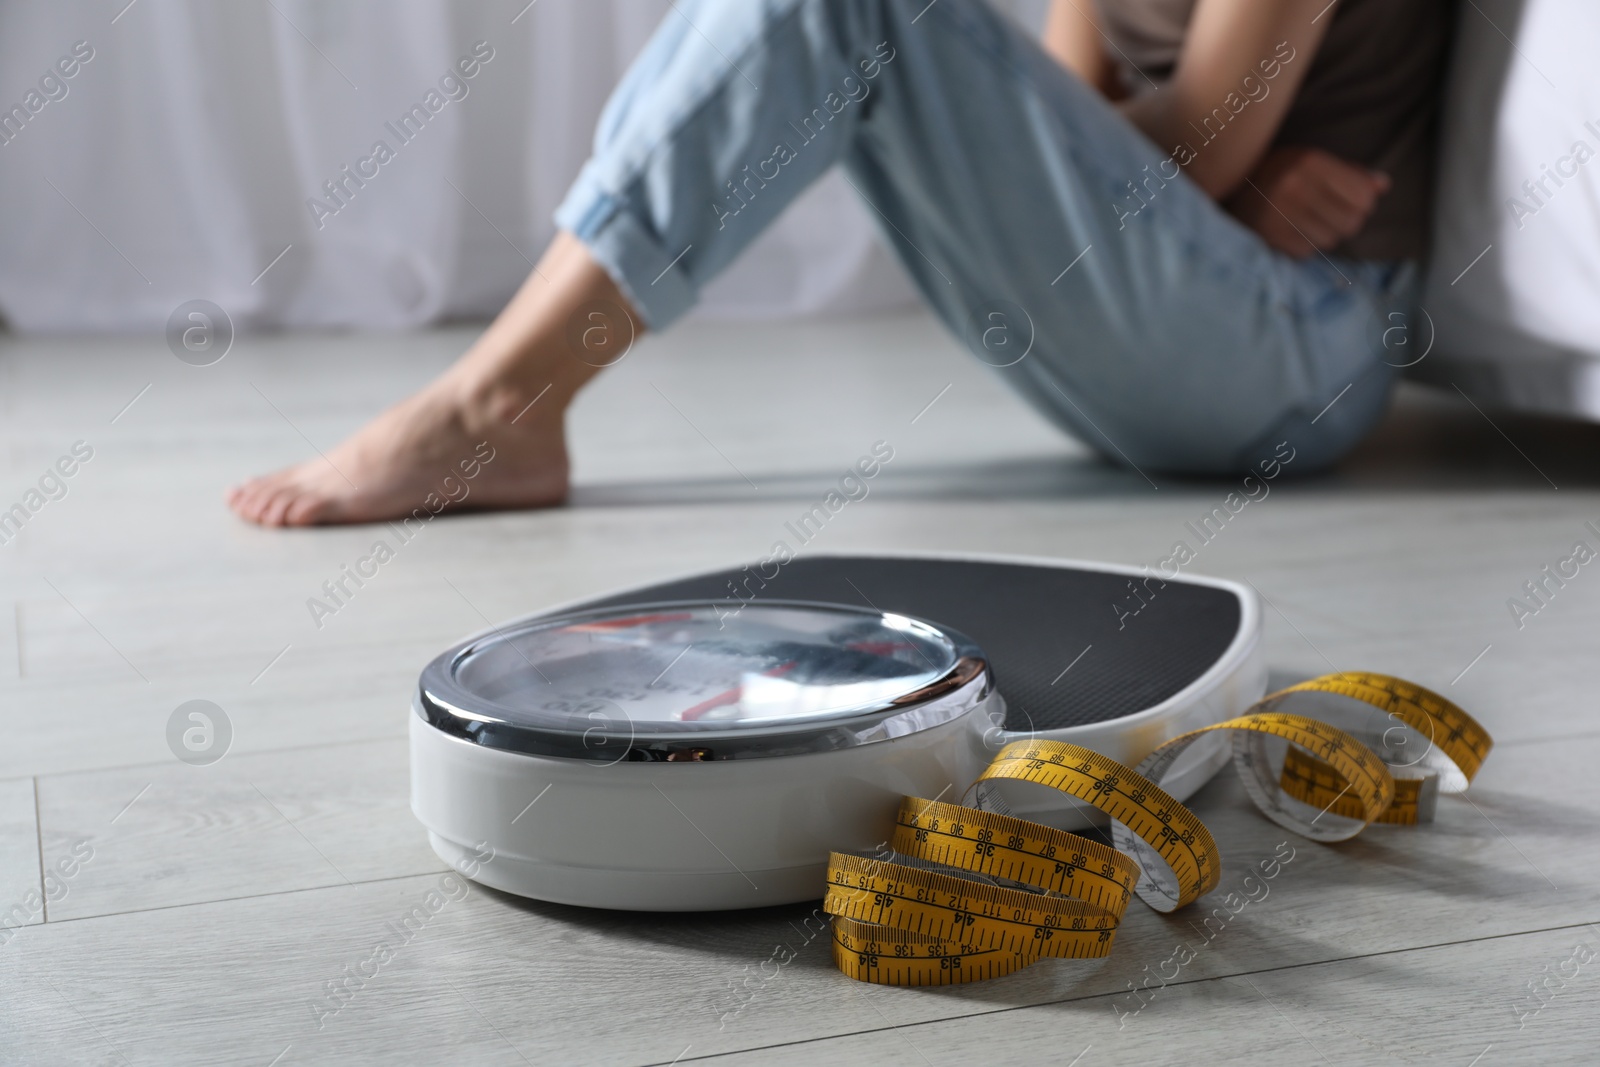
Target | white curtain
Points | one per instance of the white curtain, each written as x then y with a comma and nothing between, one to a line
176,161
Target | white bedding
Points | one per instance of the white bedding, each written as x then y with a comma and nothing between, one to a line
1519,186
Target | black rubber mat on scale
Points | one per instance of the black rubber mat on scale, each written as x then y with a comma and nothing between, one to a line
1033,622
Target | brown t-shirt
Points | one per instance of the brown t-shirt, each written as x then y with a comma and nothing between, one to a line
1371,97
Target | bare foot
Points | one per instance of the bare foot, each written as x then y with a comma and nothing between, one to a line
486,434
443,448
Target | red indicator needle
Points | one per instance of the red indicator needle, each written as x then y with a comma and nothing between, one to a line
623,624
730,696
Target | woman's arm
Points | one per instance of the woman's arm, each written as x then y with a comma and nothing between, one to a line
1073,36
1241,65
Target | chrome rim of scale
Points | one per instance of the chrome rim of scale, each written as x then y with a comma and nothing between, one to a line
666,757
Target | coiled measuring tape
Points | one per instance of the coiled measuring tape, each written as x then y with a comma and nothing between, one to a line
968,892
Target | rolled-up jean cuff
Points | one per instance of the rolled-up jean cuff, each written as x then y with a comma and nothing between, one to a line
649,275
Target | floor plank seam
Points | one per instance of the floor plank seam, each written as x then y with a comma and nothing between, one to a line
110,768
38,838
245,896
1118,993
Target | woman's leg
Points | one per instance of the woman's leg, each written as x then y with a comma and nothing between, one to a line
505,398
1069,252
1034,219
1032,216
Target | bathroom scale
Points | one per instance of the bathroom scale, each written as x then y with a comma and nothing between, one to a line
702,743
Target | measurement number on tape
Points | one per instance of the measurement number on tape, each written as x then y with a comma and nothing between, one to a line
971,892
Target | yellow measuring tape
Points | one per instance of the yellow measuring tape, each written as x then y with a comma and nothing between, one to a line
971,892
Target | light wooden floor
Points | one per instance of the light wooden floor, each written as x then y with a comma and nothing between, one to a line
221,900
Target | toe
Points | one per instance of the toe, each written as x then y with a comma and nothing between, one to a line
250,499
310,509
243,504
236,495
246,499
258,494
277,504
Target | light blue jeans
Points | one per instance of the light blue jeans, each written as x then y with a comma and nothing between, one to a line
1038,223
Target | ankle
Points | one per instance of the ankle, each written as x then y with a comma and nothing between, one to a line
502,403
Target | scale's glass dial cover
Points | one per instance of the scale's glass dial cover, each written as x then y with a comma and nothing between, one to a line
696,681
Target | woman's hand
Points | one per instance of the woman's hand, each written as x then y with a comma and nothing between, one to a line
1304,200
1241,65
